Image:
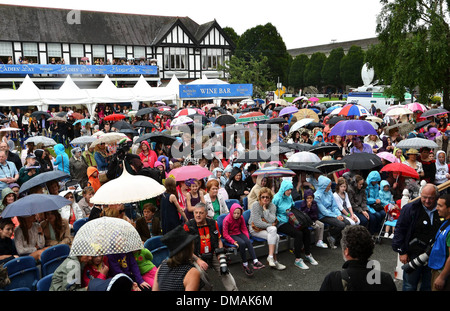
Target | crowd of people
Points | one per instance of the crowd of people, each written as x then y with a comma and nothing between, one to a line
194,217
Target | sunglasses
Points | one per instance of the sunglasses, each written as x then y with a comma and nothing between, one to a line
265,197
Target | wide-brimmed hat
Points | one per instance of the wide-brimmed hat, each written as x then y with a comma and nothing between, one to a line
412,151
176,239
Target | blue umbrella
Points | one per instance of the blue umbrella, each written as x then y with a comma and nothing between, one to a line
42,179
329,110
353,127
84,121
34,204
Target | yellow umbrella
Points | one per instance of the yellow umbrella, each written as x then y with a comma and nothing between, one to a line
306,113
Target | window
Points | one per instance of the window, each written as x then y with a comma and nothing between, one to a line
54,53
211,58
98,50
30,52
175,59
6,52
139,52
76,50
119,51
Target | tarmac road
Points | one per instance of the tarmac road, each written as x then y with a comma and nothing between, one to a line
295,279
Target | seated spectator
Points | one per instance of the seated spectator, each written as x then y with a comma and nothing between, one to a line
56,229
29,238
7,249
148,225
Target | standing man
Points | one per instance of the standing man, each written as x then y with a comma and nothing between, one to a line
206,246
439,260
8,171
416,228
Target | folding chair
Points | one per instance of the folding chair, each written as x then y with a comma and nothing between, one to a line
23,272
43,285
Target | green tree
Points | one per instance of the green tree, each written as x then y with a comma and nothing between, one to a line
231,33
266,41
297,70
414,48
351,65
313,70
252,70
331,73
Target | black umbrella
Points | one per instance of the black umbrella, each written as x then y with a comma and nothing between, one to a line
362,161
331,166
434,112
421,124
334,120
313,125
225,119
40,114
293,146
299,167
121,125
144,123
254,156
276,121
42,179
129,131
156,137
147,110
324,147
169,113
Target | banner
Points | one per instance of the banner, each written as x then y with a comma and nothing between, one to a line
31,69
216,90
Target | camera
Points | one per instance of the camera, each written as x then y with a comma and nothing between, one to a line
223,259
419,261
115,161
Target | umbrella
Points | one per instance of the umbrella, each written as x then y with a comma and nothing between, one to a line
144,123
57,119
76,115
416,143
299,167
404,128
252,117
402,169
276,121
106,236
353,110
114,117
313,99
225,119
109,138
294,146
120,125
83,121
158,138
186,112
434,112
147,110
287,111
256,156
374,119
281,102
9,129
398,111
336,111
274,172
299,124
190,171
362,161
324,147
127,188
40,114
83,140
181,120
416,107
387,156
129,131
353,127
300,98
306,114
421,124
42,179
34,204
334,120
46,141
330,166
329,110
302,157
312,125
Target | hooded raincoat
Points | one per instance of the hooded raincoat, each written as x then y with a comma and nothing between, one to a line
283,202
62,159
325,200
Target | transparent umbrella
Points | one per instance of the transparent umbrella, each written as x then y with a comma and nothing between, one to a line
105,236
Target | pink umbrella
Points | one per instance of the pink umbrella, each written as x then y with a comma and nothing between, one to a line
387,156
313,99
190,171
416,107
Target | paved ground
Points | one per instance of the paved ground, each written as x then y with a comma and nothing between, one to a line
295,279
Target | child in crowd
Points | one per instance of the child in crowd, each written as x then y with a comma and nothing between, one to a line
93,181
97,267
309,207
390,206
144,260
235,232
7,249
125,263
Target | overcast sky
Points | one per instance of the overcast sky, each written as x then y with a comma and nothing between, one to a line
300,23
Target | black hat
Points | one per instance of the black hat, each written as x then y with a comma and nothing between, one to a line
120,282
176,239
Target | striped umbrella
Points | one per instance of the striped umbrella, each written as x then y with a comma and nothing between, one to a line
252,117
181,120
353,110
187,112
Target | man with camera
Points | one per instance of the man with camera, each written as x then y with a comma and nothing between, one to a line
209,250
439,260
414,232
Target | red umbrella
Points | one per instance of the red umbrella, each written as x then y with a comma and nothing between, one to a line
402,169
114,117
190,171
77,116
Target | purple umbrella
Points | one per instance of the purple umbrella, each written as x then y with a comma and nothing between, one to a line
288,110
353,127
